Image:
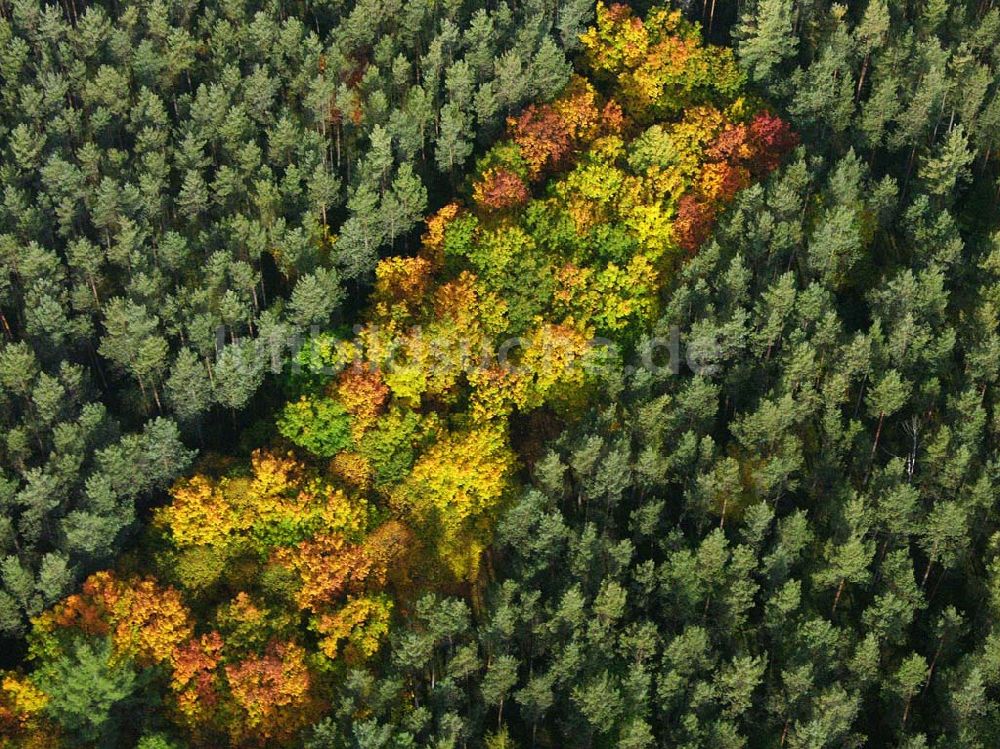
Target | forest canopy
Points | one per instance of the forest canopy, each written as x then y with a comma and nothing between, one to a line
474,508
187,188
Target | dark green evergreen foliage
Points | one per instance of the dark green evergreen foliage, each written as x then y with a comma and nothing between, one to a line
95,696
794,542
71,480
911,86
783,541
184,187
796,545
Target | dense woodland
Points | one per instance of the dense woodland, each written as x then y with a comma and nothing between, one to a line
184,189
444,517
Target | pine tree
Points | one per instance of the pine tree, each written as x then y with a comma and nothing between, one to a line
765,39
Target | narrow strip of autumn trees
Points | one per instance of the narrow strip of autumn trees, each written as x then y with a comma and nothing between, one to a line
265,583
